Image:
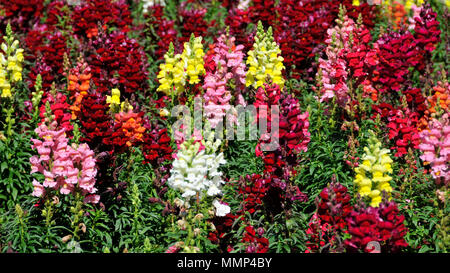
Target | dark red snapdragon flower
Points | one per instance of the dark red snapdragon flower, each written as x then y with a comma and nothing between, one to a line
292,136
328,223
156,144
87,16
263,10
59,109
383,225
223,226
96,122
237,20
402,126
397,53
193,21
255,241
164,28
50,65
119,62
426,30
21,14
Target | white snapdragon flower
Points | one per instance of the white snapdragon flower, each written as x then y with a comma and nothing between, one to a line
151,3
196,172
221,209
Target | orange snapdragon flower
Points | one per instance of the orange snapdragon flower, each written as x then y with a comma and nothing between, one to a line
397,14
131,126
441,92
78,87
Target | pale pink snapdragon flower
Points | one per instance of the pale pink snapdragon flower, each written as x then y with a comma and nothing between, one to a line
230,66
435,144
66,168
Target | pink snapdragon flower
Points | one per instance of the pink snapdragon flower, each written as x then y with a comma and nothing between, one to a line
334,68
229,66
67,168
435,144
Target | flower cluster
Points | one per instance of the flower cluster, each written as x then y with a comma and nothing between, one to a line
333,207
165,32
179,68
193,23
264,60
114,102
229,70
438,102
10,63
90,13
118,62
128,130
292,136
426,29
372,176
22,14
96,122
50,66
383,225
255,242
156,144
67,168
195,169
435,145
333,70
237,21
59,108
253,189
79,83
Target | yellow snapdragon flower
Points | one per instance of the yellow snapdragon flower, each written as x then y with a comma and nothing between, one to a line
179,68
265,60
192,58
115,104
372,176
11,60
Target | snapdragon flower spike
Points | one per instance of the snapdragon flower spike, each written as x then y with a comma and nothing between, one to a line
426,30
397,53
67,169
128,131
22,14
11,59
372,176
383,225
264,60
163,27
255,242
229,71
79,83
59,109
402,126
237,20
183,68
118,62
193,23
435,145
293,136
334,72
89,13
156,144
329,221
96,122
195,170
262,10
